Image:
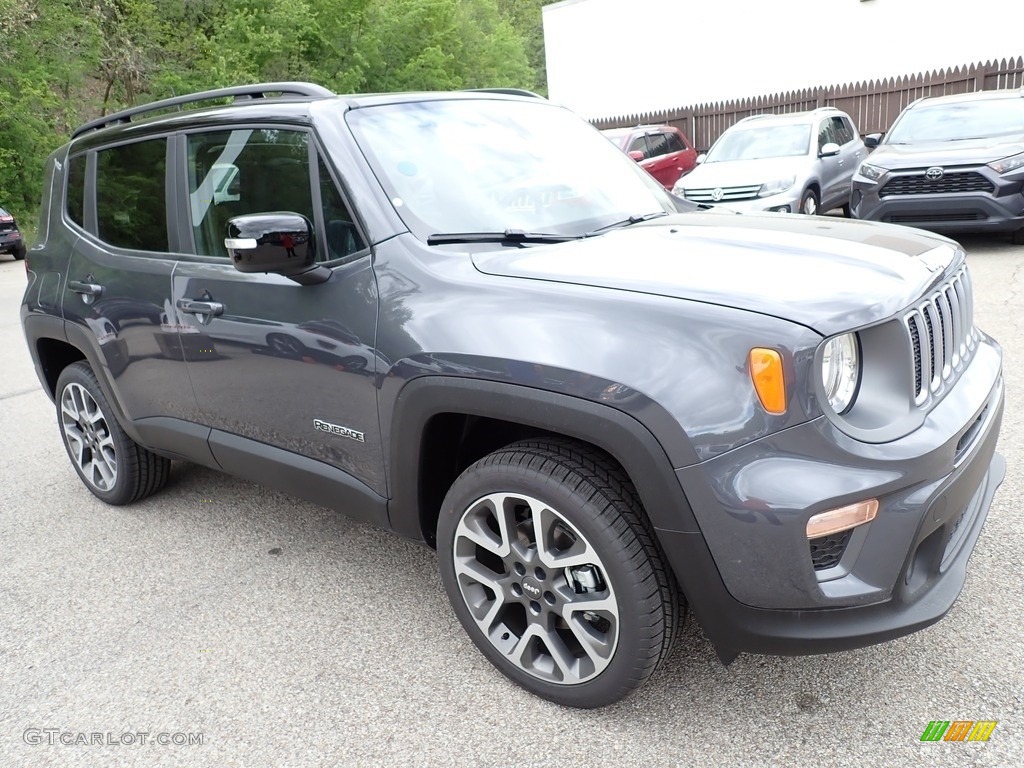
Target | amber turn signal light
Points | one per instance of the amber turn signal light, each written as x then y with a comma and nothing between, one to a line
836,520
769,381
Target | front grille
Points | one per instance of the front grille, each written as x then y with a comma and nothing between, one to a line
949,183
940,329
932,218
728,194
827,551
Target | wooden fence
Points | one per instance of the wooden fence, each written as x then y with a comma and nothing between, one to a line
873,105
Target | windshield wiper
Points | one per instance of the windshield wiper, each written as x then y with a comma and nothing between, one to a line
627,222
509,236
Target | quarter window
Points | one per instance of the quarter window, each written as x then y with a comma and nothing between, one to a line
131,205
76,190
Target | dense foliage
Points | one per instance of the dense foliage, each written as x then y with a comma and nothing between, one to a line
66,61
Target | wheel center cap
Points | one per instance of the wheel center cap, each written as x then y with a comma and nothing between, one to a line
531,588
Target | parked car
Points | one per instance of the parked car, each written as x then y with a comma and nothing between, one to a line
10,236
949,164
602,404
800,162
663,151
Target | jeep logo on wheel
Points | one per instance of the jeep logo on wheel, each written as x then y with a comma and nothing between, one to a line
531,589
934,174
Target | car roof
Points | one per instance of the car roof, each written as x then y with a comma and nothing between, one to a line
789,118
4,212
293,103
954,98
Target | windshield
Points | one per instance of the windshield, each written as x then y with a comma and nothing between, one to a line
472,165
959,120
760,142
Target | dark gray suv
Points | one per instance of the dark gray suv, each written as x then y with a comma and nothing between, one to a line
949,164
470,319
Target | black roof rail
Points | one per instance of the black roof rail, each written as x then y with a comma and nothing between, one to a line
258,91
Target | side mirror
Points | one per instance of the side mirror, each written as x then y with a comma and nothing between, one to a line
701,158
636,154
872,140
279,242
831,149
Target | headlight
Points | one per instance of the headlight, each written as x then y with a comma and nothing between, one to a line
872,172
1007,164
840,371
776,187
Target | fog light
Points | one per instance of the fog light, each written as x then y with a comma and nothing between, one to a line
836,520
780,209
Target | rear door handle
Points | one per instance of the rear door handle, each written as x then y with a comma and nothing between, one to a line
88,290
205,311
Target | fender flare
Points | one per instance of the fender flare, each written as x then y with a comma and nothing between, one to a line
622,436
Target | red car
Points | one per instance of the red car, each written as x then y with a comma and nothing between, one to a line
662,150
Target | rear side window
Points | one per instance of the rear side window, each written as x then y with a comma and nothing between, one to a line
76,190
131,205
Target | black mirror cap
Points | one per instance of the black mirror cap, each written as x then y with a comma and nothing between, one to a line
872,140
278,242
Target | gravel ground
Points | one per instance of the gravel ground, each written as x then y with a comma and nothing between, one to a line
282,634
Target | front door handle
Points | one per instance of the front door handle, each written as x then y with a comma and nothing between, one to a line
205,311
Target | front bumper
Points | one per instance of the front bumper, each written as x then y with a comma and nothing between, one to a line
1001,210
901,572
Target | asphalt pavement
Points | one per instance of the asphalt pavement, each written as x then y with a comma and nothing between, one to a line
221,624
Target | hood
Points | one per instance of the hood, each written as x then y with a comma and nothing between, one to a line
741,173
826,273
927,154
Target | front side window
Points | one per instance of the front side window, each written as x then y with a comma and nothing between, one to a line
675,144
842,130
658,144
639,144
131,201
825,135
231,173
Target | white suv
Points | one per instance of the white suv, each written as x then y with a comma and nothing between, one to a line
795,163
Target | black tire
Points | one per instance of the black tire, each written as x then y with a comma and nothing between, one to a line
809,203
586,507
111,465
19,253
1017,238
847,211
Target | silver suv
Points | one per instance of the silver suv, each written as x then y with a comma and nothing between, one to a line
800,162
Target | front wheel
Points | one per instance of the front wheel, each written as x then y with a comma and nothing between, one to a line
112,466
809,203
553,570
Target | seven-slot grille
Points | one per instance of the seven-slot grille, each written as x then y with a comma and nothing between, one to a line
919,184
940,329
727,194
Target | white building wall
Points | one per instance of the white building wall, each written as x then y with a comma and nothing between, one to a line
608,58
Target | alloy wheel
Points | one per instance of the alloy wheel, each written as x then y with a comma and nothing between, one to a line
536,588
88,436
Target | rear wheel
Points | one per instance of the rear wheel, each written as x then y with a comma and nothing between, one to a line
1018,237
553,570
112,466
19,253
